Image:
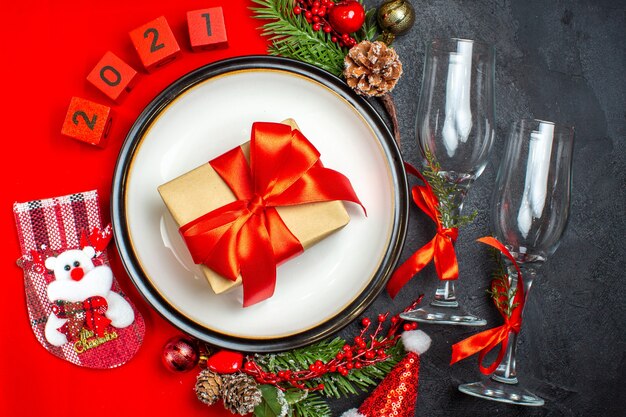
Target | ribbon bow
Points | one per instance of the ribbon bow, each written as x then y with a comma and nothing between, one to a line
247,236
88,313
485,342
440,248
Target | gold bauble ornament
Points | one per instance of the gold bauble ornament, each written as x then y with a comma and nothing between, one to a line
395,17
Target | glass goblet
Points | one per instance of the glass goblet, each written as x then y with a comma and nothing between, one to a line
455,128
530,210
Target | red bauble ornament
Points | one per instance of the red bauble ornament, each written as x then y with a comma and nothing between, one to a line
347,16
180,354
225,362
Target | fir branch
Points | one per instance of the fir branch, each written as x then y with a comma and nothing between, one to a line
301,358
292,37
446,194
370,27
501,291
332,367
313,405
335,385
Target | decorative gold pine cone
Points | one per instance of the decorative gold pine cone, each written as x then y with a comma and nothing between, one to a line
240,393
372,68
208,386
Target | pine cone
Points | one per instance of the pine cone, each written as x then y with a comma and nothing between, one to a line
208,386
240,393
372,68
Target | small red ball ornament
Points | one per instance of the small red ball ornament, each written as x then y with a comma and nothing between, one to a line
180,354
347,16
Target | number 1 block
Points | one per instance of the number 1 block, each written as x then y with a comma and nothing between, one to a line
155,43
87,121
113,76
207,29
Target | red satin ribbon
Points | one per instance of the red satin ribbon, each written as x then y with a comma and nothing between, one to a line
440,248
486,341
88,313
247,237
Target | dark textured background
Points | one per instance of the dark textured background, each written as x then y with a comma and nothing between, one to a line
556,60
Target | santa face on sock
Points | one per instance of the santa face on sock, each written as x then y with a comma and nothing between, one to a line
77,279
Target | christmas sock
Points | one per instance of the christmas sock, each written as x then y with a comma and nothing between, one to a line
76,307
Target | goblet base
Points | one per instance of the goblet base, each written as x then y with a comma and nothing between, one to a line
443,313
502,392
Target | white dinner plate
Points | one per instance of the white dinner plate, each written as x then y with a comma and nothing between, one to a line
210,111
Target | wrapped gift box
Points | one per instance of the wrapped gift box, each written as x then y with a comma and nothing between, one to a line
202,190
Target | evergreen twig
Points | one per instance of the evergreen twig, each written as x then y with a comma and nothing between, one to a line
313,405
446,194
335,385
501,291
292,37
369,30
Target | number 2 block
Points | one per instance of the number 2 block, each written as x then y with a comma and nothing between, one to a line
155,43
207,29
87,121
113,76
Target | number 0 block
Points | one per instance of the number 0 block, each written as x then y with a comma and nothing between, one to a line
155,43
87,121
113,76
207,29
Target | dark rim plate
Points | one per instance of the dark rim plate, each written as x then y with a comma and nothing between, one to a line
159,300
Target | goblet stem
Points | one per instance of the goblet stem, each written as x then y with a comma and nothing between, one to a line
505,372
444,307
503,385
445,295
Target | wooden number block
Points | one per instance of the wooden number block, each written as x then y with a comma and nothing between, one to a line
155,43
113,76
207,29
87,121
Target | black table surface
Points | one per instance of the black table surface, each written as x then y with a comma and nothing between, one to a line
562,61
